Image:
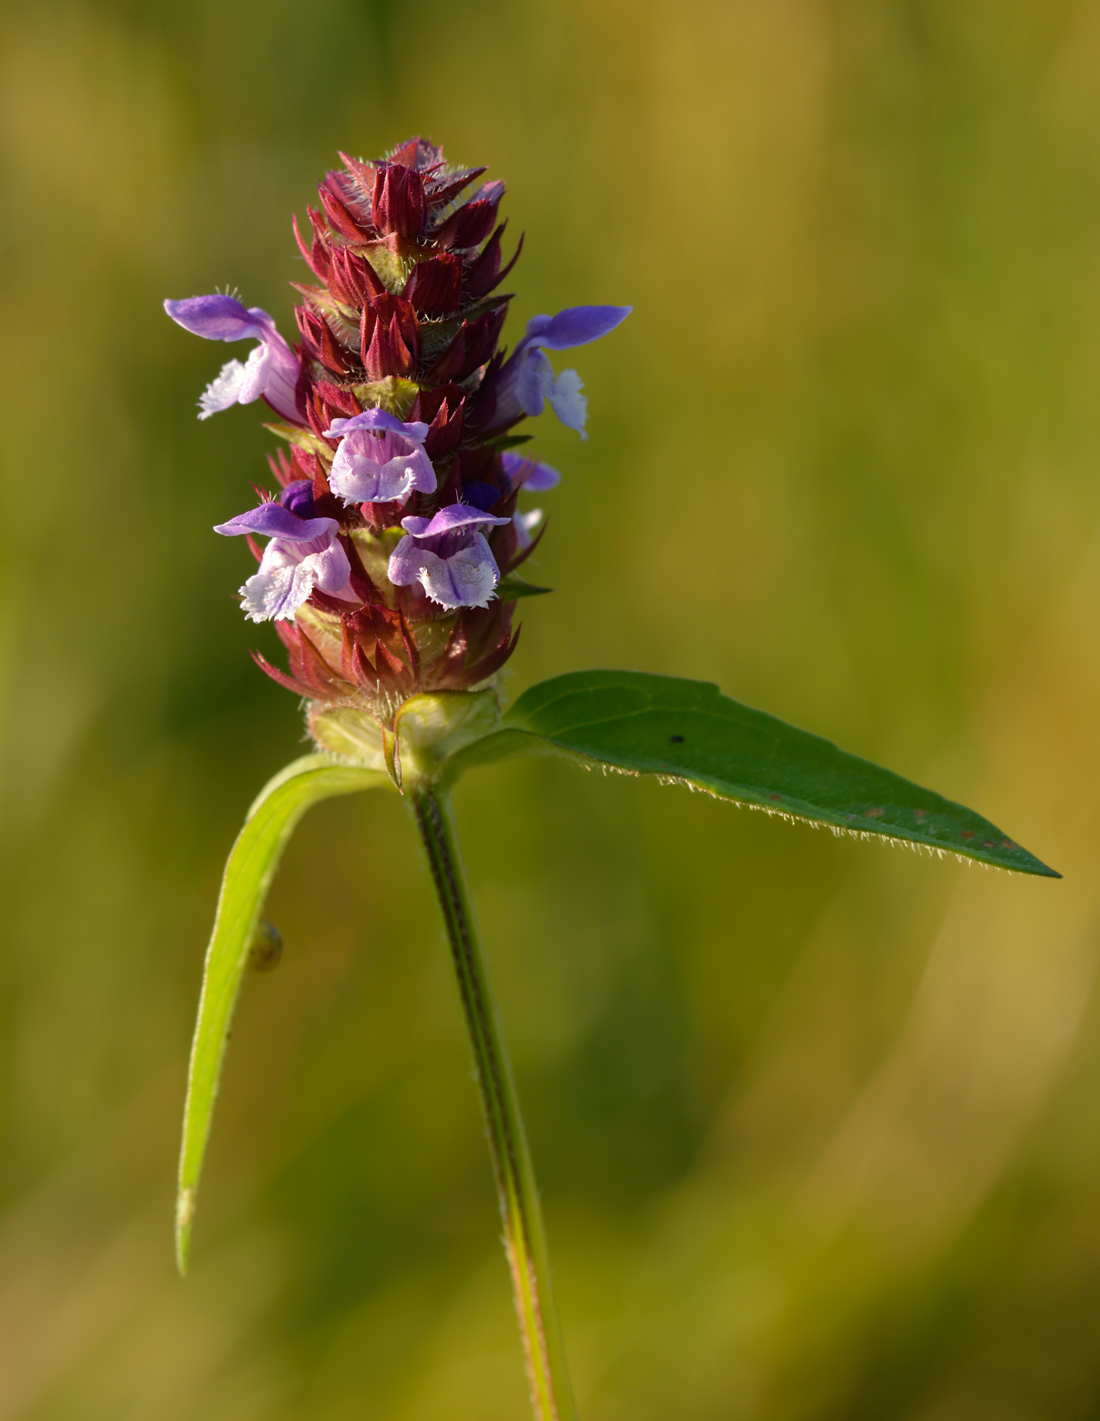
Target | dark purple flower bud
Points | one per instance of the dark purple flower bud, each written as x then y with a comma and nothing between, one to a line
480,495
298,497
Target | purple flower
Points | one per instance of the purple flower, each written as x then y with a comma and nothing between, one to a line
304,553
529,473
380,460
449,556
527,379
271,370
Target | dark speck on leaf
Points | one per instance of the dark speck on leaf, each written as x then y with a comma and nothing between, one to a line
266,948
676,739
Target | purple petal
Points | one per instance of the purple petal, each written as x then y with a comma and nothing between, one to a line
378,419
220,318
271,520
455,515
333,568
577,325
406,560
281,379
535,373
529,473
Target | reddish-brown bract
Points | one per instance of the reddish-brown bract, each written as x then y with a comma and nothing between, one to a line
402,316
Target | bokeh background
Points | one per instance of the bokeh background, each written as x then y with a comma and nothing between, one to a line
818,1121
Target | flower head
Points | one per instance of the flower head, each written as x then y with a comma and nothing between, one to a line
398,514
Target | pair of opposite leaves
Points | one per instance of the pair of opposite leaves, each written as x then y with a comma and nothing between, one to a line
681,731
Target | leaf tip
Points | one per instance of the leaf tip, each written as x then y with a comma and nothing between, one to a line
185,1212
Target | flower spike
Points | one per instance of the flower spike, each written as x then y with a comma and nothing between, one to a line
399,510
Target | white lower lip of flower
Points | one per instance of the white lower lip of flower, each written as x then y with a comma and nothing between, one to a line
288,574
236,382
468,578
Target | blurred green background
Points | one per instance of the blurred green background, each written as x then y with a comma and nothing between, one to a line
818,1122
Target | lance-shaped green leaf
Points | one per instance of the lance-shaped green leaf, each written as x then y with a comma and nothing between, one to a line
248,874
689,732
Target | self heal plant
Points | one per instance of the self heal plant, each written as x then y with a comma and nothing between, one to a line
394,534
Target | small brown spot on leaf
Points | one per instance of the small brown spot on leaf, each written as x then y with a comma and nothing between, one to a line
775,796
1008,844
921,813
967,834
873,813
265,951
988,844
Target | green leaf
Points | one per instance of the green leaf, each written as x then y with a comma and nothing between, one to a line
688,732
508,441
270,822
511,588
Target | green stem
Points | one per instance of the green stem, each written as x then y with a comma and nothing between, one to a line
524,1235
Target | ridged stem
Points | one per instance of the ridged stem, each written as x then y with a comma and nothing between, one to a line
517,1192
